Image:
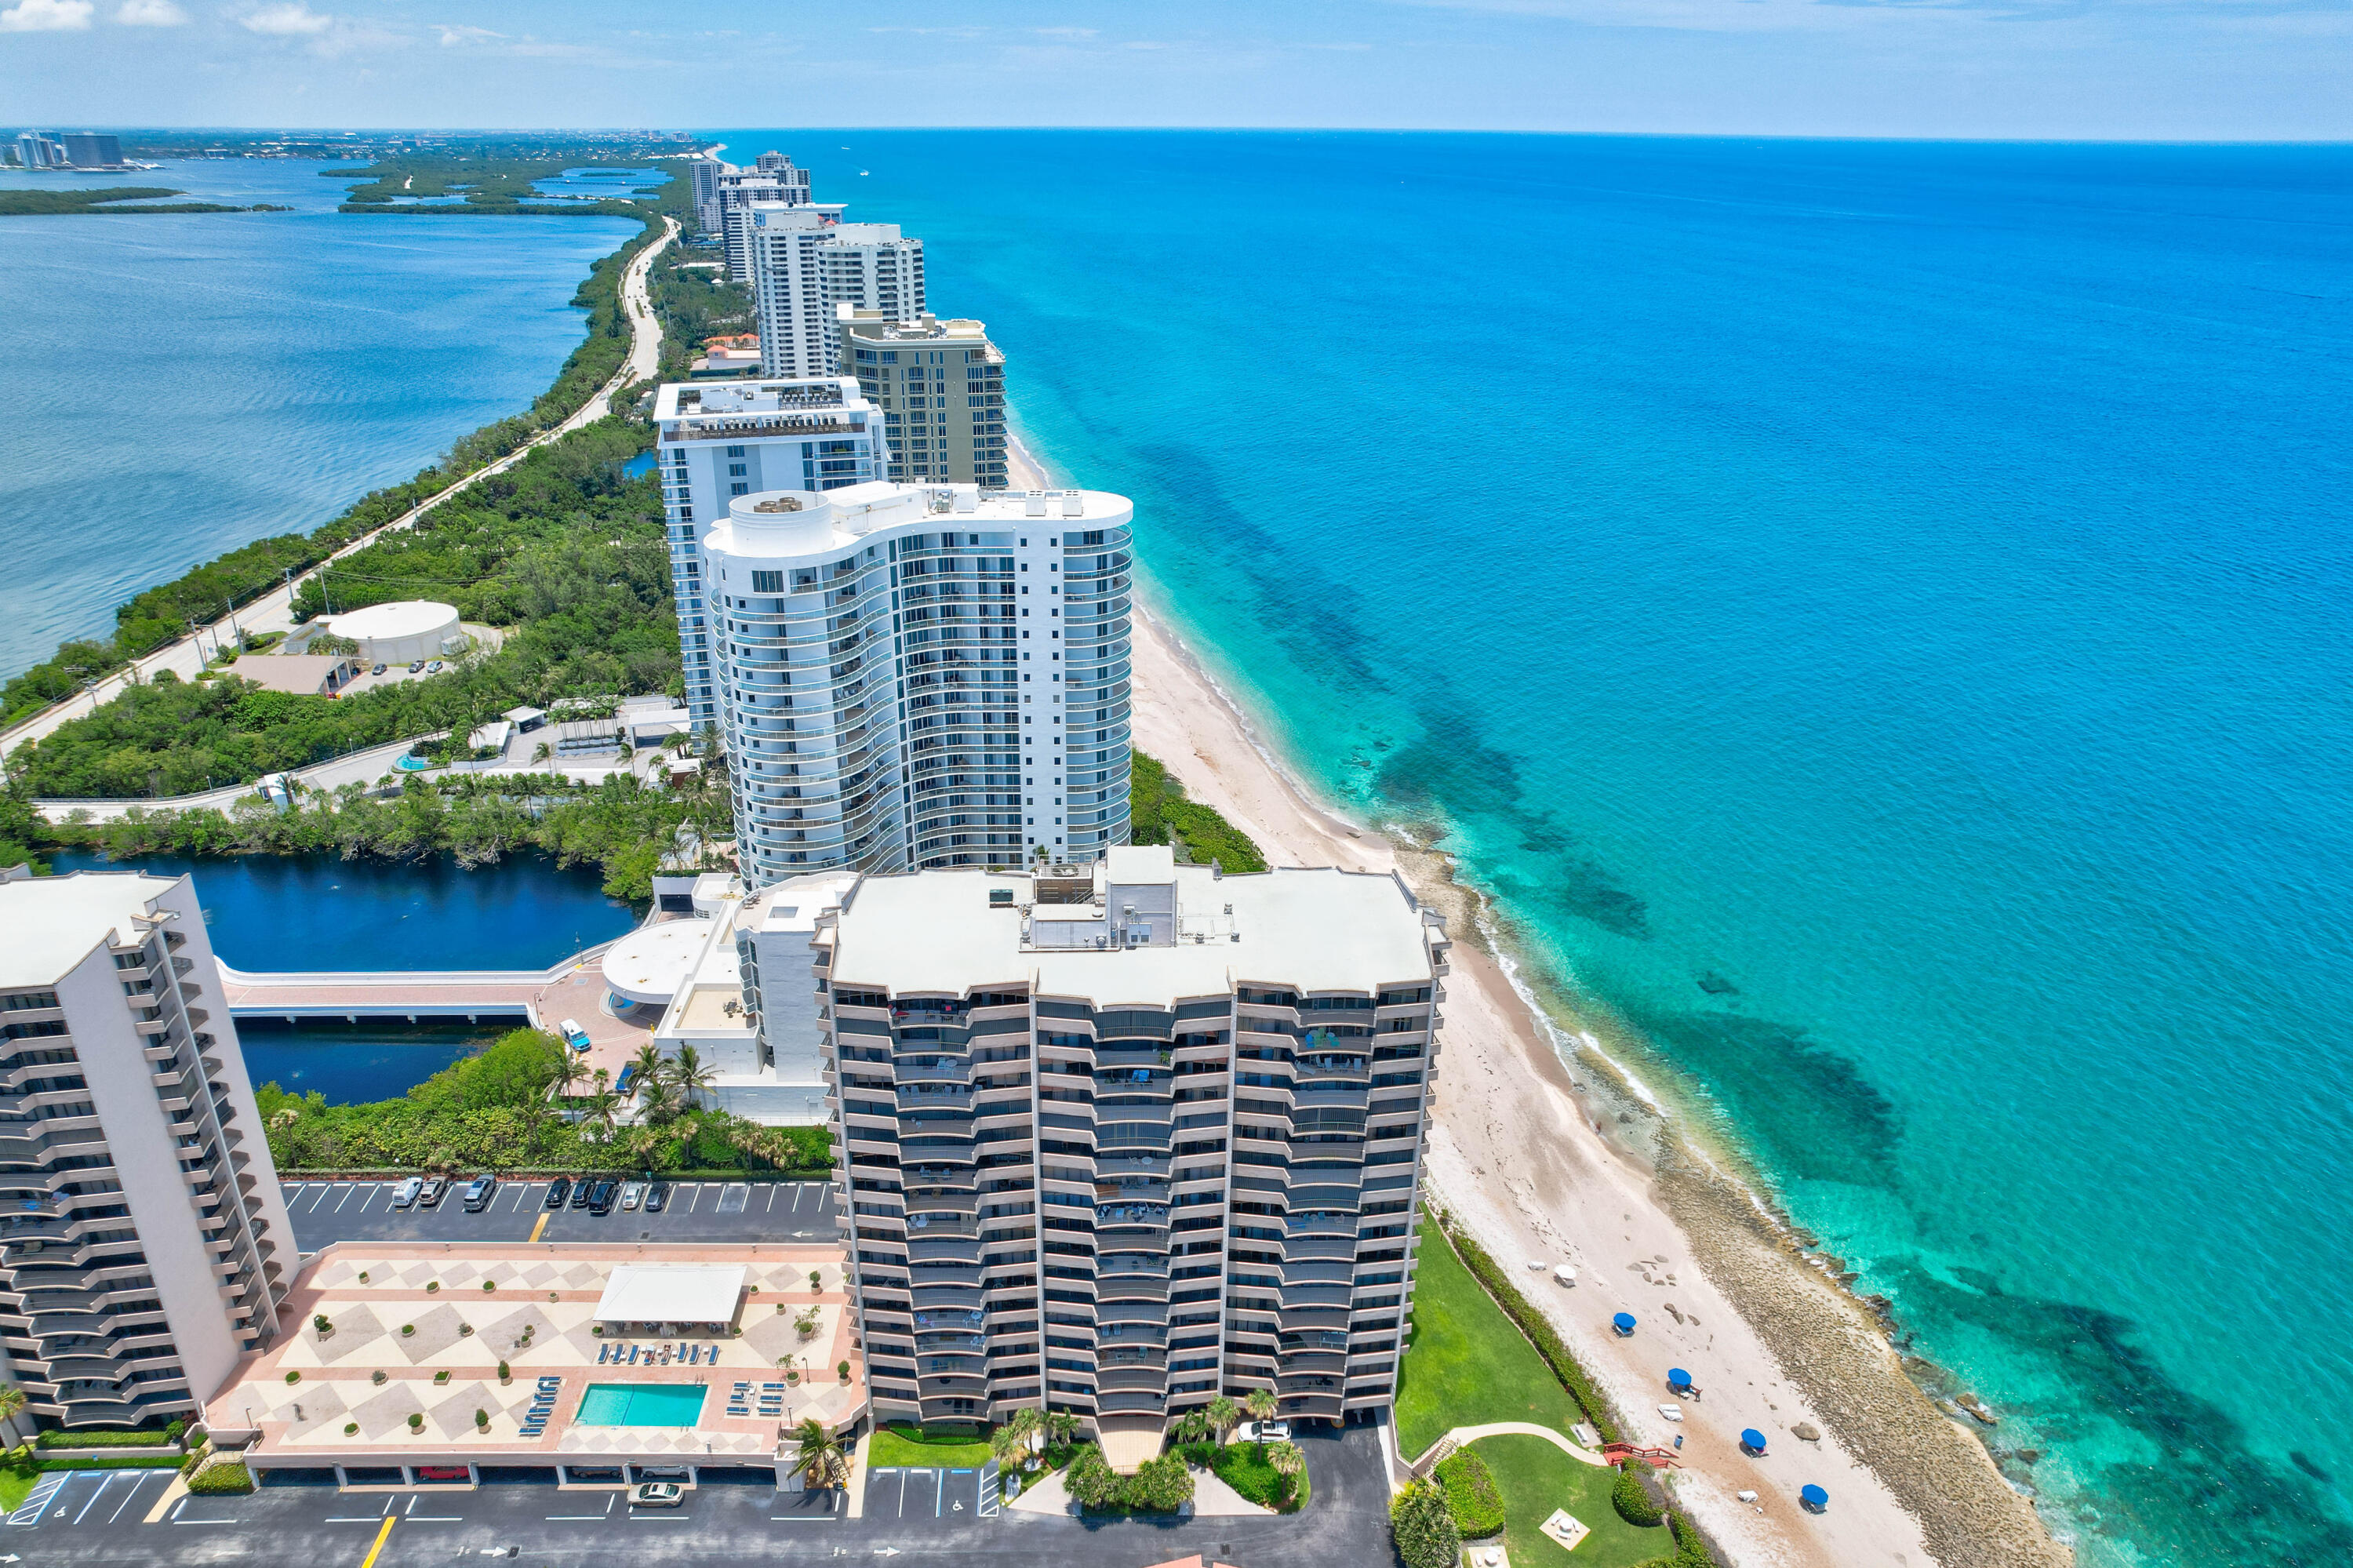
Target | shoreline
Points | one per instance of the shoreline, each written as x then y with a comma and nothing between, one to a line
1518,1156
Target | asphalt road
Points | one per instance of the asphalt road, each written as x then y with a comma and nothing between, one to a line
325,1211
100,1518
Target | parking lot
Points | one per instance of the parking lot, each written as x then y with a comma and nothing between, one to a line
325,1211
911,1493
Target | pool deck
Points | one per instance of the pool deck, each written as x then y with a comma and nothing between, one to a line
540,1318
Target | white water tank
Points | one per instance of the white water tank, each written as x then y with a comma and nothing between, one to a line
401,633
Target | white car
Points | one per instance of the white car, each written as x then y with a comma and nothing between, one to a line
657,1494
632,1192
404,1195
1263,1432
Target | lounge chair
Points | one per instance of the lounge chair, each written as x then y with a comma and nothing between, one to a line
633,1355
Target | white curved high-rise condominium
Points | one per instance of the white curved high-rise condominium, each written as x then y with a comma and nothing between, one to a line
913,676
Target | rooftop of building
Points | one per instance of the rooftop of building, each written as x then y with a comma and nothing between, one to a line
406,1313
885,326
52,923
786,523
701,404
1316,929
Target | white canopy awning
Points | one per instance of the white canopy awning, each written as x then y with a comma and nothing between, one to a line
672,1293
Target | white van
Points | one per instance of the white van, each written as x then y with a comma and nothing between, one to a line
573,1035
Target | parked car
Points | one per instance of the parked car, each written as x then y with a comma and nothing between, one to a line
478,1193
657,1494
431,1196
557,1191
413,669
377,671
600,1197
656,1197
434,668
581,1192
632,1194
1263,1431
573,1035
404,1195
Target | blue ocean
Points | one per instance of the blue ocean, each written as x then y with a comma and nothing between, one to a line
1907,582
175,386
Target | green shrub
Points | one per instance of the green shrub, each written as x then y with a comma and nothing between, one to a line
1633,1499
1158,814
148,1440
1161,1486
1691,1550
1470,1495
1423,1528
229,1476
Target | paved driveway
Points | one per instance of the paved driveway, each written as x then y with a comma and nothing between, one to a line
325,1211
90,1518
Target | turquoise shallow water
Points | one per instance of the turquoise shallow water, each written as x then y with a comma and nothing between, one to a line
177,384
1907,581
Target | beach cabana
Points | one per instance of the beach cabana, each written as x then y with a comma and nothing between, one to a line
1624,1323
1814,1499
1678,1379
1751,1440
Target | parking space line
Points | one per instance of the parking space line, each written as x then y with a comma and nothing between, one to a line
694,1198
30,1511
125,1503
771,1198
369,1562
322,1198
105,1481
349,1188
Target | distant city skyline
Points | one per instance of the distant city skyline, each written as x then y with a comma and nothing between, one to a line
2174,70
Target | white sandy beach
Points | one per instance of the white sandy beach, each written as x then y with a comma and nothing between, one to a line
1516,1154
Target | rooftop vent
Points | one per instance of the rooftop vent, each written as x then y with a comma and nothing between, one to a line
777,503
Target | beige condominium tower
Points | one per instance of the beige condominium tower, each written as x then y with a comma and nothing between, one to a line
1120,1138
941,385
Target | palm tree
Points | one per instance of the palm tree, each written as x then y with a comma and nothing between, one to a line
604,1106
1260,1405
691,1075
649,1065
820,1463
12,1405
1060,1427
1015,1437
1285,1458
569,1071
1223,1413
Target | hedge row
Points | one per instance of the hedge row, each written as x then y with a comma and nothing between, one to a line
151,1439
1539,1332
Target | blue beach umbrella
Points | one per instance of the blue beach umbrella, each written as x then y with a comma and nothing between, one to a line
1752,1439
1814,1498
1678,1378
1624,1323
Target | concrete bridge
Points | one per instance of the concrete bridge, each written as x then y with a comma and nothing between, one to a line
533,995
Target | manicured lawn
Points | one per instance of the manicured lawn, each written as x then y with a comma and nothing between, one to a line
1535,1478
1467,1364
14,1488
932,1446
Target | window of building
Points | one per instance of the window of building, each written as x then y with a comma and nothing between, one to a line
735,470
735,451
739,488
767,582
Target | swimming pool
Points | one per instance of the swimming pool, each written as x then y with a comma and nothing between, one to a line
641,1404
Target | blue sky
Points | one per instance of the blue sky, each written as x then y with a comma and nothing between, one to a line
2163,69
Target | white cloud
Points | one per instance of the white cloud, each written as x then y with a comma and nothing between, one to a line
1064,32
151,14
453,36
293,19
45,17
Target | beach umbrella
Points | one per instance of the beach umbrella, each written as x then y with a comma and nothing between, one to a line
1678,1378
1752,1439
1623,1322
1814,1497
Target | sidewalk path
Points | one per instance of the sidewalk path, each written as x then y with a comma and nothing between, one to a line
1463,1437
273,611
